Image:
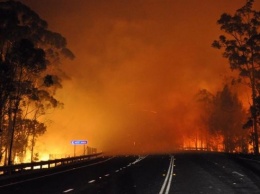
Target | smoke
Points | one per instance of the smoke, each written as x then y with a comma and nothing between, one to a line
138,66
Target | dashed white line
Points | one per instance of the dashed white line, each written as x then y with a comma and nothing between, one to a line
139,159
92,181
55,173
235,172
68,190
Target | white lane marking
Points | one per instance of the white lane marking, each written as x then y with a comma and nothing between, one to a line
139,159
55,173
69,190
235,172
168,178
107,175
92,181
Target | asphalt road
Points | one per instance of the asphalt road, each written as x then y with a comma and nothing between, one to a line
192,173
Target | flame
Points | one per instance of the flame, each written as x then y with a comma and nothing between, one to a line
138,66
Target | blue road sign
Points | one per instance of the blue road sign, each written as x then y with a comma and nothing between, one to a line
79,142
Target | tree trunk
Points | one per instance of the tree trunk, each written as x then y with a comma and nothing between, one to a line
12,133
254,115
256,142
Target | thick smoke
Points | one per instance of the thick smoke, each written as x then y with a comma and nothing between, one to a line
138,66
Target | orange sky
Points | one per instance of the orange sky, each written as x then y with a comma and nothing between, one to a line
138,65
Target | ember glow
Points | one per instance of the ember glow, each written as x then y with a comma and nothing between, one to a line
138,66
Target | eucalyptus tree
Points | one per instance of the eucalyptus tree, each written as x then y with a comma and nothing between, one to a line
26,132
227,120
205,100
241,44
29,59
223,116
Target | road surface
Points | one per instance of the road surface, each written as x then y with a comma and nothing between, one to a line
180,173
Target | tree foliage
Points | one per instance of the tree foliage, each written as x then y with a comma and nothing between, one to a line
223,117
242,49
227,119
30,55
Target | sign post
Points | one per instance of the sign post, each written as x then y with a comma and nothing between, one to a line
78,142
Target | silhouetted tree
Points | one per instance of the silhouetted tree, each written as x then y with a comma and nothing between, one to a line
242,49
206,99
227,120
223,116
29,55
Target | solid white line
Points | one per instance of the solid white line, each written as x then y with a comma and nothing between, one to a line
167,176
170,180
68,190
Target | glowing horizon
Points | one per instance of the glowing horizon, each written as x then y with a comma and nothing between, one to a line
138,67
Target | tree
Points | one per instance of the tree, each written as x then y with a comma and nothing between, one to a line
242,49
227,120
222,115
205,100
29,59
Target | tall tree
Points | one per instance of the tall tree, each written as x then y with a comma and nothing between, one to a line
205,99
29,58
242,49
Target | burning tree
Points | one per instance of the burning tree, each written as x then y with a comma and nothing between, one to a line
242,49
223,116
29,75
227,120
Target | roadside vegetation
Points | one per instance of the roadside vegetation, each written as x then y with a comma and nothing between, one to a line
30,73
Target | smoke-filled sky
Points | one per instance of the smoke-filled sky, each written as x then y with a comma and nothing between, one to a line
138,65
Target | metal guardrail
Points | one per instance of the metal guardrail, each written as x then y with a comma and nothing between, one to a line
44,164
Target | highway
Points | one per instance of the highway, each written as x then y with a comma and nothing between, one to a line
152,174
